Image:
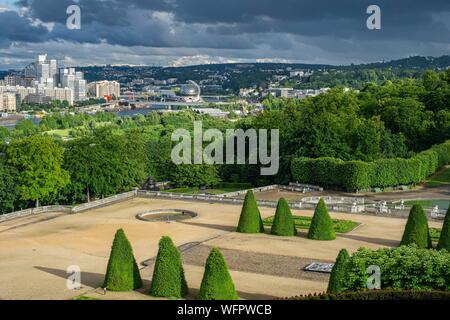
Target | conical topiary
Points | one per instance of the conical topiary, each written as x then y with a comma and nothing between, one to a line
168,275
250,220
338,273
321,225
122,273
416,229
217,283
283,222
444,239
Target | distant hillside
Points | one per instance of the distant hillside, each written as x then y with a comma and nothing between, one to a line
416,62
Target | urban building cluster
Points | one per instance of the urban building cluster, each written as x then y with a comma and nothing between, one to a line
43,81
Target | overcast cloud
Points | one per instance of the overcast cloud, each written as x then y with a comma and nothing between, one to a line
180,32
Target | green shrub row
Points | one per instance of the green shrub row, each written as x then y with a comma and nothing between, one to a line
380,295
359,175
405,267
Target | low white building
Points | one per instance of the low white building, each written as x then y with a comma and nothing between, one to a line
8,102
100,89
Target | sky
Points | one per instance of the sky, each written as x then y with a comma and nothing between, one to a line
188,32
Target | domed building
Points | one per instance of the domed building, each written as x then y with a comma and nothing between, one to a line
190,92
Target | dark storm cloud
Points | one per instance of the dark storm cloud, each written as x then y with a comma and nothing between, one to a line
121,22
16,28
284,29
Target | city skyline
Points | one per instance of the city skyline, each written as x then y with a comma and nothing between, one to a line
178,33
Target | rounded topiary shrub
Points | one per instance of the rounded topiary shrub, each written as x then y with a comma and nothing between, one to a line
283,222
321,225
217,283
168,275
337,277
250,220
416,229
444,239
122,273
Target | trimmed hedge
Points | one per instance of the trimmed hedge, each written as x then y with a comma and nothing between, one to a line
168,275
217,283
380,295
283,222
122,273
416,230
321,224
360,175
250,220
337,277
444,239
405,267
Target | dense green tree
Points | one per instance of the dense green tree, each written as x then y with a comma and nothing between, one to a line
4,134
194,175
168,276
26,128
283,222
38,161
416,229
321,224
105,163
336,283
444,239
122,273
8,187
250,219
217,283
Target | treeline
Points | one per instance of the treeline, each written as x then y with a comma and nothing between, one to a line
376,137
393,120
116,157
359,175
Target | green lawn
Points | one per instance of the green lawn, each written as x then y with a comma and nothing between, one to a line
197,190
423,203
63,133
340,226
439,179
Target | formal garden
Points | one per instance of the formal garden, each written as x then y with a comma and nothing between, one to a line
419,267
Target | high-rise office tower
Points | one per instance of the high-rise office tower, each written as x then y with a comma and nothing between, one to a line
74,80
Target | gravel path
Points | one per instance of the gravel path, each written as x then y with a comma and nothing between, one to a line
261,263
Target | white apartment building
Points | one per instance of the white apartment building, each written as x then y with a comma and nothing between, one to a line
60,94
8,102
22,92
69,78
100,89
